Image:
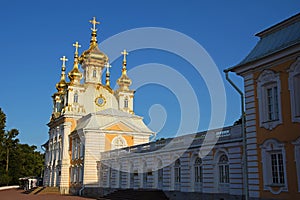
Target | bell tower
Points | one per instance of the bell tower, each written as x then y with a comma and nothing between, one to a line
123,93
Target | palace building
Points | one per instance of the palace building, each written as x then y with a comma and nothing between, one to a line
97,145
271,75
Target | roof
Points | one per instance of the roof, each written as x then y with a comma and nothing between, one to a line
274,39
108,117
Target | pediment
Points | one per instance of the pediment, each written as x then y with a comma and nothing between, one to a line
119,126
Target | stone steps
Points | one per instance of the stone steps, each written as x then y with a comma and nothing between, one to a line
48,190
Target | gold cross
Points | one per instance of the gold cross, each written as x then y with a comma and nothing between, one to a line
107,67
94,22
76,45
124,53
63,59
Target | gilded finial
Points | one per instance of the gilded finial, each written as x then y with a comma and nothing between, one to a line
93,42
64,60
76,45
107,65
124,53
94,22
62,83
63,68
75,75
107,81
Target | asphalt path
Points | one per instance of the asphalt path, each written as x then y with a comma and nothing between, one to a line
18,194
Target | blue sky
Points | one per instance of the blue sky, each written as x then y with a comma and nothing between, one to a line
35,34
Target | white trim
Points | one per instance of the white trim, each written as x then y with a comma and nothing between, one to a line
294,73
220,187
267,148
268,79
276,59
297,160
196,186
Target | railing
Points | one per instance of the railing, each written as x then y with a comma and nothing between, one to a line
191,140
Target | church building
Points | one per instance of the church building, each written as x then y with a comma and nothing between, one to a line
88,118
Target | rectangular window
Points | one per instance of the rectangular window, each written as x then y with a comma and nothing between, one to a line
126,103
198,174
177,175
94,73
224,174
272,103
297,95
277,168
75,98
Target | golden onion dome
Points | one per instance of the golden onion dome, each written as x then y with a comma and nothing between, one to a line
93,54
124,81
75,75
62,84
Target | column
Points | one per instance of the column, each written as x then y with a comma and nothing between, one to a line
65,167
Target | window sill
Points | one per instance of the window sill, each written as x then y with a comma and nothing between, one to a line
276,185
270,124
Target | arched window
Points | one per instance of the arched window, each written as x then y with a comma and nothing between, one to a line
118,142
223,169
294,87
94,73
126,103
177,171
198,170
75,98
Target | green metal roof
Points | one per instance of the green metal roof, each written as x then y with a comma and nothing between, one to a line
274,39
275,42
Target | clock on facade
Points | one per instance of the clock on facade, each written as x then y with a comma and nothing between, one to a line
100,101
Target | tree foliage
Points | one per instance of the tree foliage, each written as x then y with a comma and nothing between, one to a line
16,160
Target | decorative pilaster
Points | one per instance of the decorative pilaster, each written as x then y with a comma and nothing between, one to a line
65,173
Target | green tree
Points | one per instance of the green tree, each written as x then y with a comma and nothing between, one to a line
17,160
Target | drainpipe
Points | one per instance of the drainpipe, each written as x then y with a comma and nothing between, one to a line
80,191
244,160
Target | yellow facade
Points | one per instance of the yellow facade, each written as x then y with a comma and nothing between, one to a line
271,73
287,132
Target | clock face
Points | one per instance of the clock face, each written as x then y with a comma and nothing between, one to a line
100,101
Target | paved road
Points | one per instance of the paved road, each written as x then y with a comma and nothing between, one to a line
17,194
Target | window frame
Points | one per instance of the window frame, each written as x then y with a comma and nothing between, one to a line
126,103
294,82
76,97
296,144
198,171
269,148
118,138
223,169
177,171
269,80
94,74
